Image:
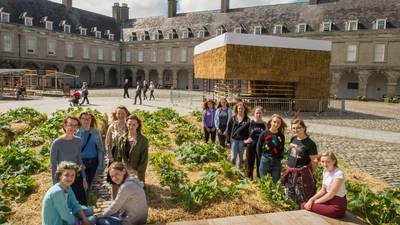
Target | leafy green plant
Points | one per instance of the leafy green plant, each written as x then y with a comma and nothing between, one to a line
200,153
17,187
274,193
5,210
186,132
197,114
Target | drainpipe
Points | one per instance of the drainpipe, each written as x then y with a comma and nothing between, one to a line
19,51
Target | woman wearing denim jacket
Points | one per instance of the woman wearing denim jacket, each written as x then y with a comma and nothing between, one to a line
93,149
221,118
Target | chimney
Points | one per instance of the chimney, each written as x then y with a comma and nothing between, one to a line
224,6
171,8
67,4
313,2
116,12
124,12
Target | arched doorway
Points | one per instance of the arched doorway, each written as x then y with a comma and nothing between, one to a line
376,86
153,76
139,76
167,78
31,66
113,77
99,77
85,74
183,79
69,69
348,85
128,75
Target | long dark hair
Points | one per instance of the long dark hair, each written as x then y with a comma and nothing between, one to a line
134,117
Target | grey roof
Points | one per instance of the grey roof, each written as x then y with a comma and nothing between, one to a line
57,12
289,15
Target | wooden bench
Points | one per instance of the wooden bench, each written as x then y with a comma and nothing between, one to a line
298,217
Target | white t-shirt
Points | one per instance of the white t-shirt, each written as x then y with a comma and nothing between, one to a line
329,178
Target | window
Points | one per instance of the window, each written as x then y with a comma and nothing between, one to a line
67,28
168,53
278,29
49,25
170,35
98,34
51,47
7,43
128,56
380,24
154,55
140,56
111,37
237,30
257,30
301,28
200,34
86,52
379,52
326,26
352,85
351,53
28,21
83,31
183,54
5,17
155,36
142,37
185,34
113,55
352,25
69,49
219,31
130,38
100,54
31,46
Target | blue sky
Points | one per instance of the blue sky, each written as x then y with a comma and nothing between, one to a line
146,8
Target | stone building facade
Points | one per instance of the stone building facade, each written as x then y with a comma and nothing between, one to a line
365,37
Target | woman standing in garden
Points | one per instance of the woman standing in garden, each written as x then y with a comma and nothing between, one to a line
270,147
133,148
60,206
331,199
92,152
302,161
68,148
222,116
256,127
208,120
130,205
238,131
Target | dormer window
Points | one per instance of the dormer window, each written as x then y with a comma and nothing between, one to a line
185,34
200,34
142,37
170,35
219,31
111,37
49,25
98,34
130,38
257,30
278,29
155,36
301,28
237,30
5,17
380,24
326,26
352,25
83,31
28,21
67,28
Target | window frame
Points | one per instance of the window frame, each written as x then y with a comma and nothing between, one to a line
49,25
183,57
278,31
382,57
219,31
354,59
153,55
100,54
113,55
69,50
329,23
111,37
4,15
237,29
299,26
7,47
128,53
349,27
67,28
86,52
185,34
168,55
97,34
28,21
376,25
83,31
49,53
33,41
257,28
200,34
140,55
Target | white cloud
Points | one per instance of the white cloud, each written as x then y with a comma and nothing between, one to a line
147,8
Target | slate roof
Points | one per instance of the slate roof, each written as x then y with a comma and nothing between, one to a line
57,12
289,15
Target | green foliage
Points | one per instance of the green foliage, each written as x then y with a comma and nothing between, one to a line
197,114
361,98
17,187
24,114
5,210
226,169
200,153
186,132
15,161
274,193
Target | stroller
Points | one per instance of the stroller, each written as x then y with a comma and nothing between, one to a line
74,98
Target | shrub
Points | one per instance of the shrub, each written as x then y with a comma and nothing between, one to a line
200,153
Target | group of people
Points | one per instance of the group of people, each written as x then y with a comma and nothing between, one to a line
79,155
20,91
264,144
76,94
140,88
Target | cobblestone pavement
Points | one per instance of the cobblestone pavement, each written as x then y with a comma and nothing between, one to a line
392,125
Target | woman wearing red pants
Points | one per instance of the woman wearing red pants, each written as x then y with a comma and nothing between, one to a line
331,199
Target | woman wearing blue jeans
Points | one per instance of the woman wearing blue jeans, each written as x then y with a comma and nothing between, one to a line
270,147
238,130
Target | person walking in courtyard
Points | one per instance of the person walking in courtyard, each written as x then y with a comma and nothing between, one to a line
85,93
256,127
126,88
92,152
270,147
60,206
138,92
302,161
133,147
238,131
331,199
208,120
145,88
130,205
18,91
68,148
152,87
222,116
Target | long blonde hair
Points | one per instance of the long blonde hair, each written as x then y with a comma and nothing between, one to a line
114,113
331,155
283,126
